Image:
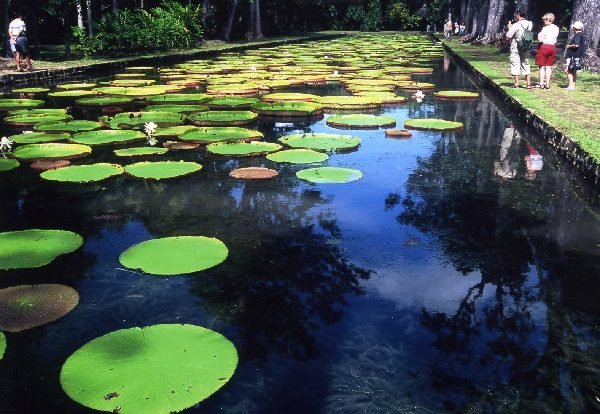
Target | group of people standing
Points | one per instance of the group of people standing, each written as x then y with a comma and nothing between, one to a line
456,28
545,57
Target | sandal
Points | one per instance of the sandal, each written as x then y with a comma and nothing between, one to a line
528,87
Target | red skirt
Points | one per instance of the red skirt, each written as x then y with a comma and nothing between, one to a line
546,55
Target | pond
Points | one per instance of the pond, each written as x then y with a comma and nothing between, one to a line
459,274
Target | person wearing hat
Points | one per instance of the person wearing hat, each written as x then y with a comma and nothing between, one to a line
574,49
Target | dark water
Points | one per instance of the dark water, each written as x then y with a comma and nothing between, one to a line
451,278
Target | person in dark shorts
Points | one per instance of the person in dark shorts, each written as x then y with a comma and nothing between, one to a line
19,43
575,49
546,54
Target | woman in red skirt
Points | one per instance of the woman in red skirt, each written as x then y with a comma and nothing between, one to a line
546,54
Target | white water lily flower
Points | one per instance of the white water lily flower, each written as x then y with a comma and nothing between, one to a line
6,144
150,128
335,73
419,100
28,132
152,141
419,94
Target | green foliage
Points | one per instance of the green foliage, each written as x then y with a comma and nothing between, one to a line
366,18
400,18
170,26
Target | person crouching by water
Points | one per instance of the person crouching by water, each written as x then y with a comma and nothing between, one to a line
18,40
519,59
546,53
575,50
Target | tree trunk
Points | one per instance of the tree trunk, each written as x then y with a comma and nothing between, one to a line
588,12
205,6
67,29
495,12
6,21
258,34
229,24
88,5
79,15
251,21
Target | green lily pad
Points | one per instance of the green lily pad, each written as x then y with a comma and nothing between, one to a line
158,369
179,98
321,142
31,90
132,82
2,345
7,104
140,151
360,121
432,124
83,173
456,95
138,92
183,109
77,125
107,137
25,307
35,248
129,120
223,118
46,111
7,164
32,119
76,93
415,86
349,102
50,151
231,103
242,149
173,131
290,108
163,169
289,96
329,175
208,135
76,86
175,255
104,101
298,156
39,137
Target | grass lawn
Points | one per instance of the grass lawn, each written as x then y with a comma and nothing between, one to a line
574,113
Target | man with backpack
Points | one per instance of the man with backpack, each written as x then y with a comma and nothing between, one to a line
521,39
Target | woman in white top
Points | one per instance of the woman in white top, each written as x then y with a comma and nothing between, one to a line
546,54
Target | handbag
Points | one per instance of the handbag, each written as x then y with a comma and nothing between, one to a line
576,63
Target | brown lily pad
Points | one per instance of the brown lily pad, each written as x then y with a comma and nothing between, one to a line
45,165
253,173
176,145
398,133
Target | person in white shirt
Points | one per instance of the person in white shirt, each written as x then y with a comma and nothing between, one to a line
546,54
18,42
519,59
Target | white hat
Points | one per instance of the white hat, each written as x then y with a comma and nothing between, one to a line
577,25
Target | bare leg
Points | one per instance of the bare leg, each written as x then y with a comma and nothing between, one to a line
548,75
528,79
18,61
516,80
542,75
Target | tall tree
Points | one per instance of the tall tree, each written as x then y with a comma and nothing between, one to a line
230,17
88,7
115,6
588,12
495,12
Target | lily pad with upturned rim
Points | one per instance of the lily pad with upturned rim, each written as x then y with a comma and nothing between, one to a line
175,255
25,249
231,103
321,141
360,121
288,108
50,151
456,95
209,135
298,156
128,120
7,164
183,109
107,137
7,104
179,98
72,93
77,125
83,173
32,119
334,175
162,169
349,102
289,97
158,369
140,151
253,173
27,306
222,118
433,124
104,101
31,90
242,149
39,137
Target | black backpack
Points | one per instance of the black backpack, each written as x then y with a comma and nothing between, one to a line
525,42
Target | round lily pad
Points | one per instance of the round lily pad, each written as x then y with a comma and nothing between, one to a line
83,173
28,306
7,164
181,146
158,369
39,137
329,175
183,109
456,95
173,131
139,151
175,255
289,96
75,93
104,101
139,91
74,86
321,142
288,108
7,104
298,156
45,111
128,120
432,124
52,150
34,248
107,137
242,149
415,86
360,121
77,125
223,118
398,133
45,165
32,119
208,135
349,102
179,98
2,345
253,173
162,169
231,103
31,90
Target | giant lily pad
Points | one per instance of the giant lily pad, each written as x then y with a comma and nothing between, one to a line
175,255
223,118
298,156
360,121
34,248
45,111
321,142
50,151
158,369
289,96
179,98
128,120
104,101
182,109
173,131
76,93
288,108
75,86
7,104
7,164
432,124
349,102
31,90
456,95
231,103
39,137
140,151
253,173
242,149
25,307
77,125
83,173
2,345
32,119
329,175
163,169
208,135
107,137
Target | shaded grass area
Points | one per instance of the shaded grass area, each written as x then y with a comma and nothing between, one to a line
574,113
